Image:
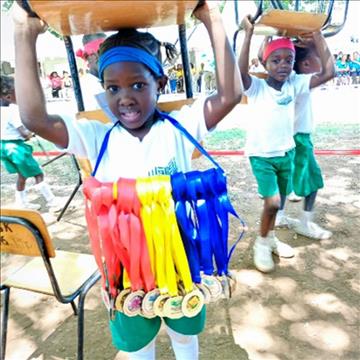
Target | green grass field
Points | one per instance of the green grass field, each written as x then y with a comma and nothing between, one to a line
325,136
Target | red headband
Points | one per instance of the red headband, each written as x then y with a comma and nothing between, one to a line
282,43
91,47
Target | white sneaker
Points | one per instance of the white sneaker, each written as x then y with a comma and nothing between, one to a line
281,220
311,230
281,249
263,255
293,197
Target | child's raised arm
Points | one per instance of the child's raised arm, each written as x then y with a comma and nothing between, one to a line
228,81
327,62
244,53
29,94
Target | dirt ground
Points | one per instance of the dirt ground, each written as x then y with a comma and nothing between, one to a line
307,309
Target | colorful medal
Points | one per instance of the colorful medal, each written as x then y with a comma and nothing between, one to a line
192,303
173,307
132,303
232,282
224,281
214,286
159,304
147,306
206,292
119,302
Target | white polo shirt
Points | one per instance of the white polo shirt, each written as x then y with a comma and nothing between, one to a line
10,122
164,150
270,131
303,112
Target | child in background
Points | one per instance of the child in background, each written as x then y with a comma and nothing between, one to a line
16,155
131,73
90,82
270,144
307,178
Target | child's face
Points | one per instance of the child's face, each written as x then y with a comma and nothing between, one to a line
132,92
280,64
310,65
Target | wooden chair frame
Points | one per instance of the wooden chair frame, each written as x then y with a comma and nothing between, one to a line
31,223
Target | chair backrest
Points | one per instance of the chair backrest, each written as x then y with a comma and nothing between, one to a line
19,230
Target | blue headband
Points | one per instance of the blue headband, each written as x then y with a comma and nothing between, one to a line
131,54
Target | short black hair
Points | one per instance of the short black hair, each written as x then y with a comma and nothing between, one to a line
133,38
301,54
7,85
140,40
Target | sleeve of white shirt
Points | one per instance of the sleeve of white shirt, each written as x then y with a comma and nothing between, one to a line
192,118
254,87
15,119
85,137
301,83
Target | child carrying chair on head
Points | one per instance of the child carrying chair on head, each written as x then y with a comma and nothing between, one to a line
132,75
270,145
16,154
307,178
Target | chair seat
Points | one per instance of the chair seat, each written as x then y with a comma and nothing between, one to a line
71,271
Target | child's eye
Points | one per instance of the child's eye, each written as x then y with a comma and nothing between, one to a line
138,86
112,89
276,61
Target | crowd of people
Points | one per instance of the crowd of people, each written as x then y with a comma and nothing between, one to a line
203,79
347,68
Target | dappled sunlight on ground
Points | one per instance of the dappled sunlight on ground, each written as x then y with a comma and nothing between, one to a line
307,309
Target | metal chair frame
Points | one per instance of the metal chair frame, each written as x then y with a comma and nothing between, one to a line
80,293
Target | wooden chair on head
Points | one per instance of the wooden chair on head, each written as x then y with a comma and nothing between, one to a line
62,274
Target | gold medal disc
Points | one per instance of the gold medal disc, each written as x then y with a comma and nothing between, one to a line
173,307
132,303
192,303
159,304
232,282
206,292
224,281
147,307
214,286
119,302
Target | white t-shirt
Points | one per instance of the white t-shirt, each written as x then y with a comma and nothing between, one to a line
10,122
270,131
164,150
303,112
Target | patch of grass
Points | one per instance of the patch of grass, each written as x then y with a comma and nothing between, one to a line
326,135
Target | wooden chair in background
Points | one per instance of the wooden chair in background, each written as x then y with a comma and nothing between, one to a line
65,275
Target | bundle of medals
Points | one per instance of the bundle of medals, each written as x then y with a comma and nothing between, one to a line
156,241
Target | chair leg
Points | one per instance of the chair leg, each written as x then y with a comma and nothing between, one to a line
81,305
75,310
4,320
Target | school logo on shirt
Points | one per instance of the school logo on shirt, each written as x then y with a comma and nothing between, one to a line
170,169
285,100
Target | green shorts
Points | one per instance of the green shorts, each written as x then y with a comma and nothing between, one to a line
17,157
133,333
307,176
274,174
